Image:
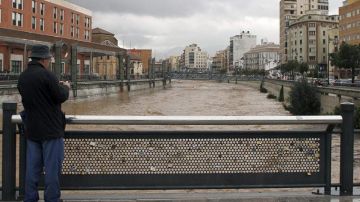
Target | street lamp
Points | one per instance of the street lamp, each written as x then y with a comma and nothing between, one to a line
335,42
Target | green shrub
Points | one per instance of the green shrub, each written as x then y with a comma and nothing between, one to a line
304,99
271,96
281,94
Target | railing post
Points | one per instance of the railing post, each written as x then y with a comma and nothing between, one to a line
347,150
9,153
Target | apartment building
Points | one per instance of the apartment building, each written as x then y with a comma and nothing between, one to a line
24,23
309,39
263,57
349,25
195,58
239,45
220,61
291,10
47,17
174,62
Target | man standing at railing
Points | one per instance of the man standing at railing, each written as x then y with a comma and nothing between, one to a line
42,95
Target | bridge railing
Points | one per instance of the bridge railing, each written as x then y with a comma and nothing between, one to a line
110,160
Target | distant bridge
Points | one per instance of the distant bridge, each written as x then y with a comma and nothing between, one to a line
210,76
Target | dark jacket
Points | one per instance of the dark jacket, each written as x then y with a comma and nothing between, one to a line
42,96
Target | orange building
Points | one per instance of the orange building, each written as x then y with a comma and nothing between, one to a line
24,23
349,25
144,55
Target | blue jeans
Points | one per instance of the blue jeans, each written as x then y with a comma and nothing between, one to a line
47,155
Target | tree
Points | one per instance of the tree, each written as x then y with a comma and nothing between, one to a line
292,66
303,67
304,99
347,57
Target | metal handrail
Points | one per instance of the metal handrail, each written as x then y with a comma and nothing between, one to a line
197,120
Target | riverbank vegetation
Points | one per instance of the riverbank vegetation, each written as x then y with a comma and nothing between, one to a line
304,99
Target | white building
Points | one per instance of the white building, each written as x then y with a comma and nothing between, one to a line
308,38
292,9
239,45
263,57
174,62
195,58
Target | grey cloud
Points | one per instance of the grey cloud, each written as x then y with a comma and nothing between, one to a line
159,8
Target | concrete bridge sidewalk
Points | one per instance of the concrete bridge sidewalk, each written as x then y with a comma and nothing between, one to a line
226,195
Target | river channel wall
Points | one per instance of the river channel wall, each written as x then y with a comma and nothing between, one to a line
329,97
86,89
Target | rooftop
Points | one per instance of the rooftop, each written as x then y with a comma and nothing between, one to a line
71,6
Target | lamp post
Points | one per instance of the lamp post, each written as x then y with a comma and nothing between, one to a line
335,41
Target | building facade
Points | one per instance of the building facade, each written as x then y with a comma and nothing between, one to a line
309,39
105,66
263,57
220,61
55,23
145,56
291,10
349,25
174,62
47,17
195,58
239,45
54,18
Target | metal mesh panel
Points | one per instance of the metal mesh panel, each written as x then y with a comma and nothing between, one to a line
192,156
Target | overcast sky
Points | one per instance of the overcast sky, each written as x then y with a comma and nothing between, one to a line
167,26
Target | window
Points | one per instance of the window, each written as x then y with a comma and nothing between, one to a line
0,14
1,65
77,19
311,33
16,66
33,22
55,27
310,50
42,24
300,42
87,22
312,58
77,32
300,50
324,33
18,4
87,35
61,14
324,41
17,19
311,24
33,6
72,31
42,8
55,12
61,29
73,18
